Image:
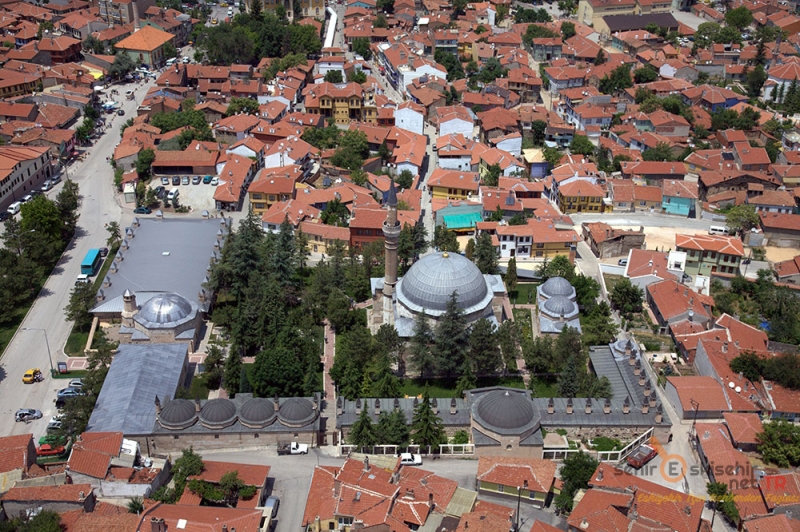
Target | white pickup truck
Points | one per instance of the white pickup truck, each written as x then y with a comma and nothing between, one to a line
292,448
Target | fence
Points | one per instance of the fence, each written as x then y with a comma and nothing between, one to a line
447,449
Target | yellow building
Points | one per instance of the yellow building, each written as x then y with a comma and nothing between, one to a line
536,239
345,104
272,185
453,184
321,236
581,196
590,11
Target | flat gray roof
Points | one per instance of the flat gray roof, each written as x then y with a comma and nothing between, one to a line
166,255
137,374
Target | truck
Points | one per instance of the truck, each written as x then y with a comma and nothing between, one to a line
643,454
292,448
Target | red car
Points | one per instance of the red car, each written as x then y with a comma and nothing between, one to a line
49,450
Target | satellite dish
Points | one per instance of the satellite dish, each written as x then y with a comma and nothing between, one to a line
731,385
738,389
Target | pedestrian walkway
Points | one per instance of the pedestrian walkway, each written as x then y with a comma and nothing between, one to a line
329,390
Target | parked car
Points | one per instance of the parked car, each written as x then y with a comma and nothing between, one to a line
50,450
76,383
215,182
4,215
27,415
142,210
27,198
173,194
69,392
55,179
641,456
687,278
54,425
52,439
165,181
196,180
47,185
32,375
410,459
176,180
103,252
121,112
207,179
622,262
272,503
185,180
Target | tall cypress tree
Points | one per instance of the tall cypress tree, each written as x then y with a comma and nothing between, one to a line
450,341
426,427
362,433
485,255
421,357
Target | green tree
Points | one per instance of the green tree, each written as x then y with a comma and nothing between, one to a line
144,161
469,250
598,327
755,80
135,505
445,240
485,254
242,105
617,80
405,180
492,177
538,128
626,297
451,63
581,145
233,373
750,365
362,433
392,428
575,473
334,76
277,371
739,18
645,74
450,338
661,152
422,358
553,156
560,266
169,50
511,275
122,65
492,69
483,352
426,427
779,444
93,45
81,301
380,21
741,218
361,47
600,58
386,383
335,213
567,30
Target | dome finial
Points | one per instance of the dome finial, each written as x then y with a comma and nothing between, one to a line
445,255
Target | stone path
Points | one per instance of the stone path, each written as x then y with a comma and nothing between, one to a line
329,390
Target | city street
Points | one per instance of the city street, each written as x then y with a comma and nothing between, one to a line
643,218
29,346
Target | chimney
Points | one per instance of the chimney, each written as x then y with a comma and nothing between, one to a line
659,414
642,379
366,464
377,407
339,406
626,406
637,369
629,348
551,406
435,406
453,408
158,405
569,405
631,357
645,405
82,496
724,347
607,406
599,474
100,295
686,293
197,405
588,409
276,400
224,528
358,406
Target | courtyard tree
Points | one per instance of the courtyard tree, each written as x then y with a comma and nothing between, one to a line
626,297
511,275
362,433
427,429
483,352
575,473
741,218
485,254
450,339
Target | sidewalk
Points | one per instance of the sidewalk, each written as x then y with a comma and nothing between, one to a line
329,390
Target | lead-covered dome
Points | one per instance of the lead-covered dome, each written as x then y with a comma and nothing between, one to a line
218,414
257,413
429,283
557,286
505,411
558,305
165,309
296,412
178,414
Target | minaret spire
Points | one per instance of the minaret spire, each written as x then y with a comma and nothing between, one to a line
391,234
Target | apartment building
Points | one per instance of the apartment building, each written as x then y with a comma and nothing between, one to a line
22,169
710,254
344,104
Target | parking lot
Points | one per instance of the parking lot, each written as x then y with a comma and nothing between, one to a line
199,197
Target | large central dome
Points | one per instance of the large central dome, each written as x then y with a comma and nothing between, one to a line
430,281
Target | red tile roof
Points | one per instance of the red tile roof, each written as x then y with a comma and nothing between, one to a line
92,453
483,522
786,222
511,471
788,267
146,39
63,493
14,452
454,179
727,464
280,180
673,299
772,523
703,389
780,490
728,245
743,427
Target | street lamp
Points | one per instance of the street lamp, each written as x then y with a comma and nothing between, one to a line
47,343
519,497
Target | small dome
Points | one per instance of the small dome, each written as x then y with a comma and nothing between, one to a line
257,412
555,306
218,413
505,410
557,286
429,283
178,414
296,411
165,308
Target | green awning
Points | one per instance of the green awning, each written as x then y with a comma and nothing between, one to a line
462,221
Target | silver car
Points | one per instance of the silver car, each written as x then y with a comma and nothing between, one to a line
27,415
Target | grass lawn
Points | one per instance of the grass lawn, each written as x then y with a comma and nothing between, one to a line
611,280
74,374
198,389
524,294
7,330
76,343
447,387
543,388
523,318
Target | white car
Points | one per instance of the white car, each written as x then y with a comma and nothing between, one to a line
410,459
214,182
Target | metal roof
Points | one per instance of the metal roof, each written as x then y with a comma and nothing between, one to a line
349,416
619,372
137,374
166,255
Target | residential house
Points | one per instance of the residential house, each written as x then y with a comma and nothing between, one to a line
453,184
721,461
234,128
30,500
294,211
545,49
777,201
702,397
454,119
121,12
678,197
605,241
366,224
561,78
646,267
712,98
146,46
17,456
321,236
590,11
788,271
250,474
22,170
273,185
743,429
410,116
783,74
529,478
234,179
711,254
539,239
749,158
782,230
672,302
580,196
344,103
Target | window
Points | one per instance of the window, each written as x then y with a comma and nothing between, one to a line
501,488
623,204
539,245
566,244
643,204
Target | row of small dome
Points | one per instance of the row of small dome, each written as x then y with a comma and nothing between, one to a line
256,413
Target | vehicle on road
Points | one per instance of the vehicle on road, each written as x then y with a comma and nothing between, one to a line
185,180
33,375
47,185
165,181
285,448
52,439
128,92
82,279
55,179
103,252
687,278
4,215
27,415
50,450
186,60
718,230
410,459
272,503
643,454
215,182
142,210
622,262
14,208
27,198
196,180
176,180
160,191
70,392
91,262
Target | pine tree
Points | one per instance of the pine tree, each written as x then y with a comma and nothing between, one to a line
233,372
483,352
466,381
426,427
421,357
386,382
362,433
485,254
450,340
600,58
392,428
469,251
511,275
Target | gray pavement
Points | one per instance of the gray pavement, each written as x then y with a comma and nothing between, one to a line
643,218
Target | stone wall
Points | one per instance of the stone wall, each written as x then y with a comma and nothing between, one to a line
162,444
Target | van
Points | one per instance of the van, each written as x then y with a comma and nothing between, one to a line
718,230
82,279
171,61
14,208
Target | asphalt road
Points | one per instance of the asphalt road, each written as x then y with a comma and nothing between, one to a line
643,218
28,348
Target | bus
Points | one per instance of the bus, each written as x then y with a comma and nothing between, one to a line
91,262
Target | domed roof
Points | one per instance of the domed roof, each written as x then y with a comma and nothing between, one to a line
257,412
218,413
165,308
178,414
429,283
296,411
558,305
557,286
505,411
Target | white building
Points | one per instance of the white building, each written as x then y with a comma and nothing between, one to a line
410,116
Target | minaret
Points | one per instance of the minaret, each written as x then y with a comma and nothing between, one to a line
391,234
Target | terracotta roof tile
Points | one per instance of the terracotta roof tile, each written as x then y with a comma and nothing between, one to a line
510,471
743,427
